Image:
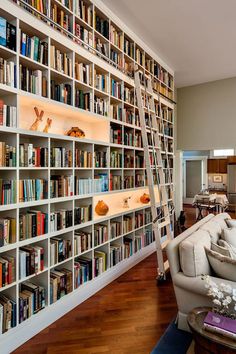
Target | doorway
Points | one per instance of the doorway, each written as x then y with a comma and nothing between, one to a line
193,178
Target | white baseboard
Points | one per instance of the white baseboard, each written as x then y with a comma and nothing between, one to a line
17,336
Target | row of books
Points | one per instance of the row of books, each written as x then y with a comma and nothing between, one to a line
147,217
117,58
30,156
140,180
60,17
83,186
101,81
83,34
68,4
132,139
138,220
115,111
131,117
139,56
129,47
7,72
31,260
7,155
83,99
34,48
116,159
83,73
100,106
33,223
83,158
7,270
127,224
61,157
138,242
115,229
8,313
115,254
61,92
148,237
100,262
100,159
83,271
116,89
82,241
60,220
128,182
60,249
101,47
115,182
128,160
115,135
7,34
101,25
32,299
116,37
32,189
82,214
8,115
139,161
33,81
7,192
100,234
61,186
7,231
60,61
84,11
100,183
60,284
41,6
129,95
128,247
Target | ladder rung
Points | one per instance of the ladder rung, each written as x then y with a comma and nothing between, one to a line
166,266
163,224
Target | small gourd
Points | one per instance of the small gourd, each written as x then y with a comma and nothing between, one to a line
145,198
101,208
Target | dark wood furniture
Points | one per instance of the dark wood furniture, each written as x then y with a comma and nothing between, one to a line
217,165
205,341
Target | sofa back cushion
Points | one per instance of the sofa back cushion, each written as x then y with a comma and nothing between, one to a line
222,266
214,230
221,219
192,252
231,249
220,248
231,222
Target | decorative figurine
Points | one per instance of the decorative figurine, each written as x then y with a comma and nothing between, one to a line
75,132
39,118
48,125
101,208
126,202
145,198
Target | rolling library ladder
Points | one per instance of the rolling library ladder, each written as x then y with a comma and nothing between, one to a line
151,130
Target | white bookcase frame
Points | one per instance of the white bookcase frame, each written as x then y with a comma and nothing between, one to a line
99,136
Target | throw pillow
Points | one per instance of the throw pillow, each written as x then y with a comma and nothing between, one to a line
231,222
229,235
214,230
231,249
224,251
223,266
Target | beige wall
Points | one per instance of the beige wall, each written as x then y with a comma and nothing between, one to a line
207,116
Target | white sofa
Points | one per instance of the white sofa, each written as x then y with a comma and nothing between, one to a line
188,261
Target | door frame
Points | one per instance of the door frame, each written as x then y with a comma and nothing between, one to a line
204,179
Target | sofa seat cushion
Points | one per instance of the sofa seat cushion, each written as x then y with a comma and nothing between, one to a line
222,266
193,257
229,235
214,230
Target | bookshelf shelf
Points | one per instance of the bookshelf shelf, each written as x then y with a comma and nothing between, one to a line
100,100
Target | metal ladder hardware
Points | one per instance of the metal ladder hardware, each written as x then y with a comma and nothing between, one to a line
155,144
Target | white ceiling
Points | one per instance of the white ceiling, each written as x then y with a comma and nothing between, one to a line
197,38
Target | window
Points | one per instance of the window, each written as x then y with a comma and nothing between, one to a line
223,152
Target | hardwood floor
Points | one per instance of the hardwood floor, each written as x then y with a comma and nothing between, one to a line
127,316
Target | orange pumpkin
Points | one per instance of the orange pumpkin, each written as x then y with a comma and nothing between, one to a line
145,198
101,208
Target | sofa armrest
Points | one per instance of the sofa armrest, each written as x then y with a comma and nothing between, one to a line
196,284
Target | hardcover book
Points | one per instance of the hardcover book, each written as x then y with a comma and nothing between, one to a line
219,321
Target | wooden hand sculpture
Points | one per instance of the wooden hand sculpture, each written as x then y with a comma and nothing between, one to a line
48,125
39,118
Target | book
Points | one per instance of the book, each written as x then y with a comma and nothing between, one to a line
7,155
61,186
100,265
217,323
34,48
32,224
31,260
7,192
82,214
100,106
7,231
3,31
100,234
7,72
32,190
60,249
60,61
61,157
115,254
83,270
82,241
60,284
61,219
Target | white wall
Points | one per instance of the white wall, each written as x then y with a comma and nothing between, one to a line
207,116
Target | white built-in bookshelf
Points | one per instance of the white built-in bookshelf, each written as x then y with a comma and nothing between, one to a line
76,86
